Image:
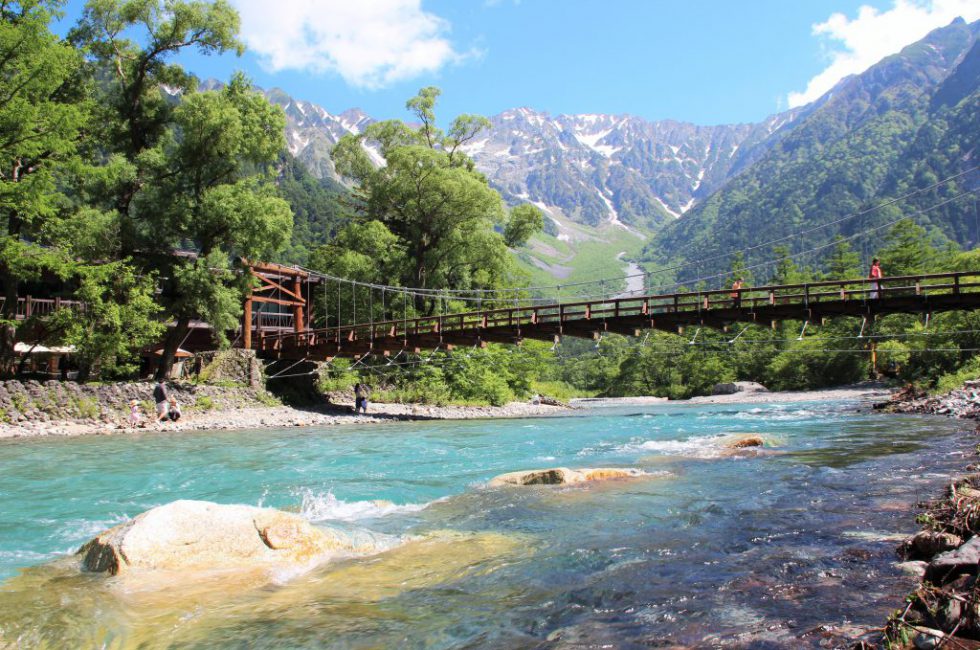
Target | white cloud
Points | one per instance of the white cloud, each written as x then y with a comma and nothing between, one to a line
855,45
369,43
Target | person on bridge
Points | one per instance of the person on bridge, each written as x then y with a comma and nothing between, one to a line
875,274
737,293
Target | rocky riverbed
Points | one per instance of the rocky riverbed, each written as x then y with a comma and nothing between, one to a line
960,403
944,611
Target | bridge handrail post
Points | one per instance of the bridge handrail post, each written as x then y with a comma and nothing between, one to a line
956,284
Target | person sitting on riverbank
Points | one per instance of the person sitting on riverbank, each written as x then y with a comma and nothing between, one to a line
160,396
361,392
173,412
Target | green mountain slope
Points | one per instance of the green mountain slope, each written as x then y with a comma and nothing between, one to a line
904,124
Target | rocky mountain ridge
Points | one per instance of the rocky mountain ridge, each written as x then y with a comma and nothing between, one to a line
592,169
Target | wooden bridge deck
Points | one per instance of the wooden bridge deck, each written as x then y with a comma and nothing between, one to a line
918,294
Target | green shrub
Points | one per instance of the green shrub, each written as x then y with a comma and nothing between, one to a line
268,399
204,403
559,390
951,381
21,402
88,408
4,417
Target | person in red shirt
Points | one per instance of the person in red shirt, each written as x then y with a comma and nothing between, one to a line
875,274
737,293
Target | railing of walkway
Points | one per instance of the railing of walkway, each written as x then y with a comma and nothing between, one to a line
806,295
28,306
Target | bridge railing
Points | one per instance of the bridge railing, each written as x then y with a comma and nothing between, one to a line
28,306
718,302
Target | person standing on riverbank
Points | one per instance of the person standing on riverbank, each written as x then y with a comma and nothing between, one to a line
361,393
160,397
875,274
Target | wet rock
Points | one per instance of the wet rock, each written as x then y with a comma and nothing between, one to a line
743,441
927,544
915,568
564,476
952,564
201,535
927,638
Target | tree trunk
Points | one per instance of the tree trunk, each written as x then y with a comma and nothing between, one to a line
174,338
8,330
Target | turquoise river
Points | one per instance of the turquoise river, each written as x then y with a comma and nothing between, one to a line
760,550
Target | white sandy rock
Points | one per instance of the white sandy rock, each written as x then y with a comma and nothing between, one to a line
204,535
564,476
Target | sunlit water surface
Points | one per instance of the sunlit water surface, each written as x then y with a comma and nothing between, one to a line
755,551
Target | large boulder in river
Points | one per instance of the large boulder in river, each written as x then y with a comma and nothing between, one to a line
204,535
564,476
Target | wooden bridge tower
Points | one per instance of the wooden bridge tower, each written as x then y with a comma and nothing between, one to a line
278,285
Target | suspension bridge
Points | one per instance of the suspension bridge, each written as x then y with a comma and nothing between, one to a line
810,303
513,315
284,316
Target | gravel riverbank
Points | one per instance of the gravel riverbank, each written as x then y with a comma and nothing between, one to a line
257,416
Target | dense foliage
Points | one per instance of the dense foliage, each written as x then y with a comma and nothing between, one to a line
125,185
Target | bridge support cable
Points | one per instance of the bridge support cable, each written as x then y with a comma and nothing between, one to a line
803,331
737,336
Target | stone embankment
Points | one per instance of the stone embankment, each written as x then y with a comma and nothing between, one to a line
41,403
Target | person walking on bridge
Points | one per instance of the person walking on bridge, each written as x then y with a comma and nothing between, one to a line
737,293
875,274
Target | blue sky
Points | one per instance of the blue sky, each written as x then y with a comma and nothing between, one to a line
701,61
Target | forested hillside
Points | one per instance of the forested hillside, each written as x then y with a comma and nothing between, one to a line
899,128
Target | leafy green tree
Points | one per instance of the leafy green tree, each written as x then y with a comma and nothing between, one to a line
42,113
909,250
129,43
842,262
429,195
118,320
525,220
208,185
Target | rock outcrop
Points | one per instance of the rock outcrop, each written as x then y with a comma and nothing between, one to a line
730,388
564,476
959,403
202,535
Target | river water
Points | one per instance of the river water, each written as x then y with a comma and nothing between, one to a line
709,551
